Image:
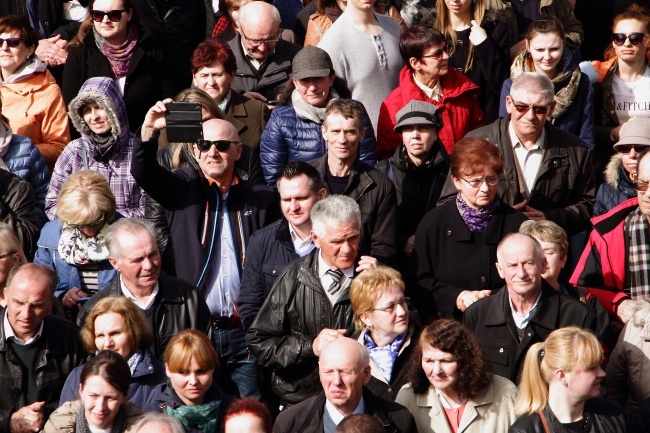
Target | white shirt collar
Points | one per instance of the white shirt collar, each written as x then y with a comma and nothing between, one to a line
142,305
9,332
434,92
539,144
301,246
323,267
337,416
522,320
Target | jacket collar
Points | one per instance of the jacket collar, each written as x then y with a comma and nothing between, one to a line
491,234
453,85
359,180
167,292
52,345
609,221
375,371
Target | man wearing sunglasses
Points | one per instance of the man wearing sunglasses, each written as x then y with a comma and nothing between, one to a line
263,59
614,265
211,213
548,171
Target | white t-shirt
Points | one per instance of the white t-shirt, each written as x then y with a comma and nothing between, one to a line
631,99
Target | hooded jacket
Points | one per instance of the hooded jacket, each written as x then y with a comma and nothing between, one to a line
458,105
33,104
113,160
23,159
617,187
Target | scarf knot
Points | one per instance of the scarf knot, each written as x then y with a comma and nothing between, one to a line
76,249
476,219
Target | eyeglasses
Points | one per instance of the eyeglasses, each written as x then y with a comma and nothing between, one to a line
641,185
439,54
114,16
10,253
221,145
539,110
96,223
11,42
635,38
626,148
476,183
257,42
390,308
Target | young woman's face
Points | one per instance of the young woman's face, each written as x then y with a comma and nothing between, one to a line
458,7
546,51
628,52
110,334
114,32
585,384
191,383
101,402
96,118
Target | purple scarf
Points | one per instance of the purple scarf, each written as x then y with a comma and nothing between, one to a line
476,219
119,56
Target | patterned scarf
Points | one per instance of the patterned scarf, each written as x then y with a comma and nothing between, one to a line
77,249
203,418
119,56
476,219
134,360
637,227
385,356
81,425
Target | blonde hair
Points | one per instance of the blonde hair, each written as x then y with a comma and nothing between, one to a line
546,231
189,344
569,349
443,24
85,197
367,288
9,239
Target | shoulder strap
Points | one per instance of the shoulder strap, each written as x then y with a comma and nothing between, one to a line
544,423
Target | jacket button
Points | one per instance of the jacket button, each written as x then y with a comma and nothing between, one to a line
273,272
449,233
501,350
483,279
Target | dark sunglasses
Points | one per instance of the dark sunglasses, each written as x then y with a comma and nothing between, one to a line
635,38
438,54
114,16
97,223
539,110
221,145
625,148
11,42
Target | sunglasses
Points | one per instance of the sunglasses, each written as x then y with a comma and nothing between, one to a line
438,54
11,42
635,38
221,145
641,186
539,110
626,148
97,223
114,16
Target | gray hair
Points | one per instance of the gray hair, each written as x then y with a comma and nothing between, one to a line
258,10
539,253
533,82
126,225
334,209
173,423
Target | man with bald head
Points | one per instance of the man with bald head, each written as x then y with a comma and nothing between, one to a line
523,313
211,213
344,369
263,59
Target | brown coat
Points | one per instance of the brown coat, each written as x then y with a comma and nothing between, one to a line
64,419
249,116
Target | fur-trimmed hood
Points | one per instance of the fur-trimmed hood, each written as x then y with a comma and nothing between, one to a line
611,171
105,92
641,314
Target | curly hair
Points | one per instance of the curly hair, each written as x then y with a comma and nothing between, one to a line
452,337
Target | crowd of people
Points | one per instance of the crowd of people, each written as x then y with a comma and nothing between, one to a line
336,216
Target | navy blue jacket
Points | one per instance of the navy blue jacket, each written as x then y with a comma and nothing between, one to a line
148,373
617,187
270,250
288,138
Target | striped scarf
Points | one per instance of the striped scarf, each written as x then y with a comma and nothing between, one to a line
637,227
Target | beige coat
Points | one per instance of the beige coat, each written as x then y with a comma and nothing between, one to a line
628,371
63,419
492,411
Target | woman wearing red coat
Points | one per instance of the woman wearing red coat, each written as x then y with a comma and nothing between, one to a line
427,77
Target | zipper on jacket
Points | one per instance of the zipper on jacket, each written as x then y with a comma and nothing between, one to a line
214,230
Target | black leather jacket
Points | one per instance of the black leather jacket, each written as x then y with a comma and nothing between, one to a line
282,334
178,306
62,353
601,416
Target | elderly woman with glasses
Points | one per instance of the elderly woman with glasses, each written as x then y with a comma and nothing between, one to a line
381,314
74,244
112,43
428,77
620,173
468,231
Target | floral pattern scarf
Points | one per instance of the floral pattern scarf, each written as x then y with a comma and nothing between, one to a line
77,249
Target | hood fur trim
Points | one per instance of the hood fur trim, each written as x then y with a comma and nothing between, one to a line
611,171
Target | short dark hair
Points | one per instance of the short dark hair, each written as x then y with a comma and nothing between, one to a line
20,24
450,336
346,108
415,40
360,423
209,52
111,367
299,168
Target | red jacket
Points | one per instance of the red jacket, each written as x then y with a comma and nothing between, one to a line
458,106
603,265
